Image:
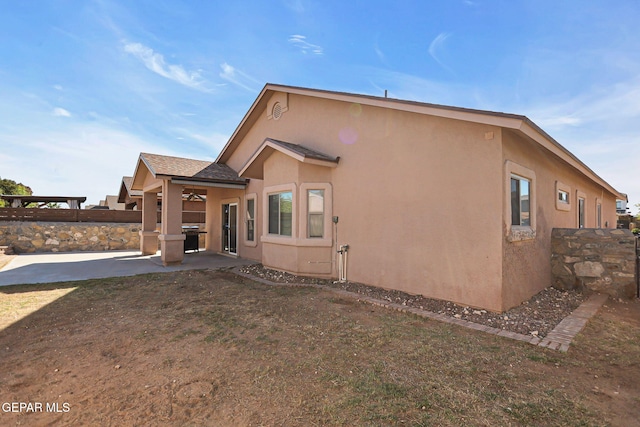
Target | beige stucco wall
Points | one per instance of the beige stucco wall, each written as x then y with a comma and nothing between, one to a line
404,191
526,265
422,201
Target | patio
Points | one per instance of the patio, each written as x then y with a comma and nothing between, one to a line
62,267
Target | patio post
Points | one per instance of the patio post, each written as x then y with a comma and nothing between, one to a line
171,237
148,234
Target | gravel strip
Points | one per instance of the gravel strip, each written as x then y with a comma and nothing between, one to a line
536,317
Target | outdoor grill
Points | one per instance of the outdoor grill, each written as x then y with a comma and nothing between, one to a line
192,237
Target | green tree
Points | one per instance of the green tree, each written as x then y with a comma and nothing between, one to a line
10,187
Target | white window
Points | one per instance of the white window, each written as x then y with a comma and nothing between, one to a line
520,201
281,213
315,218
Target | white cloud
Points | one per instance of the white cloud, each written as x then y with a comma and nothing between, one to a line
601,127
379,53
60,112
237,77
613,106
155,62
295,5
78,160
436,46
305,47
209,142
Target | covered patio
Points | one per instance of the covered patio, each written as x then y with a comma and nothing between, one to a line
168,178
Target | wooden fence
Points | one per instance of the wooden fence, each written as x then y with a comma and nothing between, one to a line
86,215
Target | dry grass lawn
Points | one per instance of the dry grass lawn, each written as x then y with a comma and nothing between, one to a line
210,348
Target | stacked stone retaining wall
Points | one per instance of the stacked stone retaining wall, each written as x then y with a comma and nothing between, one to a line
602,260
28,237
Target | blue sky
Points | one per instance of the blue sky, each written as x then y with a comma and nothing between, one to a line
85,86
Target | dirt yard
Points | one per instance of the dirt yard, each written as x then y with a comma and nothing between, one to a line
210,348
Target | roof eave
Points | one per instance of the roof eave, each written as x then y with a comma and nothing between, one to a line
505,120
137,183
253,167
224,156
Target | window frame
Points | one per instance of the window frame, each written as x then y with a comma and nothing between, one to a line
581,209
266,237
278,196
327,239
521,219
320,213
254,198
562,205
516,233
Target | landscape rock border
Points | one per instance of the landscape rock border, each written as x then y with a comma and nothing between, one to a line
531,321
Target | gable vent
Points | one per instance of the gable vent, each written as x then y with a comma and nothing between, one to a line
276,112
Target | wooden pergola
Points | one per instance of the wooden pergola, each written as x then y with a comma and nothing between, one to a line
22,201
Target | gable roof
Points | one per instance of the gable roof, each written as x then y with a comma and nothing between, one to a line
181,170
518,123
126,191
253,167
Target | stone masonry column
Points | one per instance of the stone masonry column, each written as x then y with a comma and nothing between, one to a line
148,234
171,237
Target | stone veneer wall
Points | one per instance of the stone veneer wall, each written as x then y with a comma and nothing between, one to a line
26,237
603,260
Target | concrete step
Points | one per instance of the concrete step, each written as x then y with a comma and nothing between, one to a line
6,250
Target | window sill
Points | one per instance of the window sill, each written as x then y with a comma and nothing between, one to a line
316,242
280,240
520,234
251,243
290,241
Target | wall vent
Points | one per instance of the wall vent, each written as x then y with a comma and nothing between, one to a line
276,112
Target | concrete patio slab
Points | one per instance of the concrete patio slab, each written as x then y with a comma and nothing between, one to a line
63,267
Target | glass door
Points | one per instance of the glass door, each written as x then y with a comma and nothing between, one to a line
230,228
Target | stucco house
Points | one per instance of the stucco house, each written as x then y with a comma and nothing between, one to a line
450,203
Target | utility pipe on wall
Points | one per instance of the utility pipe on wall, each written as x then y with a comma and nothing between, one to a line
342,263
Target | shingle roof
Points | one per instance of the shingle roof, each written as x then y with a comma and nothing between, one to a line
303,151
127,181
180,167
